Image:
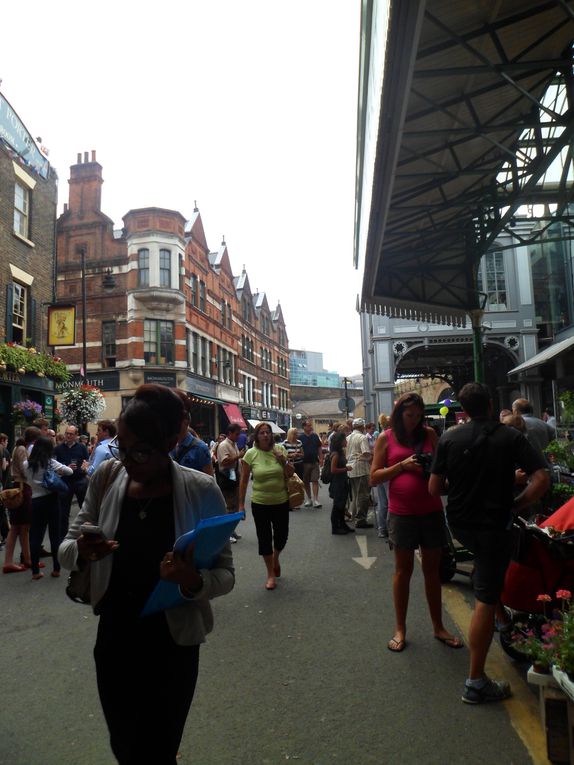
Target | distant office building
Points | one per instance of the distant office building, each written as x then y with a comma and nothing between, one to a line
306,368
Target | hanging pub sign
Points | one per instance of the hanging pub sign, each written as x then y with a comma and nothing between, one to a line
62,325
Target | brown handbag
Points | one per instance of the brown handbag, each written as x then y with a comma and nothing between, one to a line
12,498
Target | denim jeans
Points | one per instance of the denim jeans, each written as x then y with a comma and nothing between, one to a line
382,506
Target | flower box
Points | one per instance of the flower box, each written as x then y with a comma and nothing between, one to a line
564,682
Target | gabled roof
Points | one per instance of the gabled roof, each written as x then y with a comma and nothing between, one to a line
194,229
219,260
277,315
259,302
242,283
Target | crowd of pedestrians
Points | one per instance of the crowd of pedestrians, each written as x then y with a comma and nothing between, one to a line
396,470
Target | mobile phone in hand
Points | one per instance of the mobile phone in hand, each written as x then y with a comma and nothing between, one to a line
88,530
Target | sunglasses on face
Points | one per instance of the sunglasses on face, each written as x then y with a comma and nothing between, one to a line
136,454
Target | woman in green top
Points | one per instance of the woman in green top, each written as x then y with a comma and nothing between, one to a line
269,499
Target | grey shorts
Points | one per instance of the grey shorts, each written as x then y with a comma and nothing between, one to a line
412,531
311,471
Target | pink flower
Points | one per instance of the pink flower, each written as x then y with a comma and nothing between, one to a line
564,594
543,598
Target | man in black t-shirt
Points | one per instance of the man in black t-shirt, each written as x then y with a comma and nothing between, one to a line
476,464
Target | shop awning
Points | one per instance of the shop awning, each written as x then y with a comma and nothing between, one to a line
274,428
544,356
233,414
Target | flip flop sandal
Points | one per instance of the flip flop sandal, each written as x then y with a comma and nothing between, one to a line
396,646
452,642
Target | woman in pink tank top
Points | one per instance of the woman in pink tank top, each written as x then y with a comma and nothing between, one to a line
415,518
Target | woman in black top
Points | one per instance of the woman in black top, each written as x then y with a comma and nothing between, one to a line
339,485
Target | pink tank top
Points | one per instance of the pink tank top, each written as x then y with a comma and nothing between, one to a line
408,492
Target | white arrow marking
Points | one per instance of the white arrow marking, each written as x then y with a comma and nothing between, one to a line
364,560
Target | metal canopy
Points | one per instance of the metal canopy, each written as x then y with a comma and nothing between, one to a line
544,356
461,84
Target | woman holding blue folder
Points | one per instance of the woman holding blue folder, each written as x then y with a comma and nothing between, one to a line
147,666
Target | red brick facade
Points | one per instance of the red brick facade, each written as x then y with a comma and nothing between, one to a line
174,312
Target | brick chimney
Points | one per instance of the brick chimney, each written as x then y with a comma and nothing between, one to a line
85,181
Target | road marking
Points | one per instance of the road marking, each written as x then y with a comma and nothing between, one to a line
364,560
522,706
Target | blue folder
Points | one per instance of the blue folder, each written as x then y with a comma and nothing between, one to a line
210,536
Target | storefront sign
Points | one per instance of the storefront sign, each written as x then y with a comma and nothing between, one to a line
161,378
49,406
12,131
10,377
105,381
199,387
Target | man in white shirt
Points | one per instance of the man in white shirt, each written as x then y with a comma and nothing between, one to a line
359,455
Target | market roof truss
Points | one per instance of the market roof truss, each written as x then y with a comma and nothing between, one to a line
478,136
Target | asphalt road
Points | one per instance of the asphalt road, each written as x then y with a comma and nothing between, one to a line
298,674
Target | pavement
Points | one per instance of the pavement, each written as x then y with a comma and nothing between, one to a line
301,673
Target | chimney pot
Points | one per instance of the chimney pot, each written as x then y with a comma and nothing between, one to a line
86,156
79,161
93,155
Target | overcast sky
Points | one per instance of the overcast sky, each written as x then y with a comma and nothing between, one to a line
247,107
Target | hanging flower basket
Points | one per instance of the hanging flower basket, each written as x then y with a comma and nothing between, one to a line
83,404
25,412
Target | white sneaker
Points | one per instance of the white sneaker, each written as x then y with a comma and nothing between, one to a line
307,503
317,504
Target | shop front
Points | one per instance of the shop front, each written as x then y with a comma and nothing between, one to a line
16,388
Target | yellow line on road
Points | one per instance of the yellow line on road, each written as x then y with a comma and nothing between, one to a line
522,707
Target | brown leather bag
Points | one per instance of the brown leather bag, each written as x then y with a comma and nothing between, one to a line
12,498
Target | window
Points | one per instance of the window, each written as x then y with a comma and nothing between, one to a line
22,210
19,311
204,369
229,316
109,343
223,312
195,353
143,268
165,268
492,280
194,290
158,342
202,296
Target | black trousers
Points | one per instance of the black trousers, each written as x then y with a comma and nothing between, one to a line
272,526
45,513
146,684
78,489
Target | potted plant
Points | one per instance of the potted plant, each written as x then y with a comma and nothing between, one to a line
537,643
25,412
81,405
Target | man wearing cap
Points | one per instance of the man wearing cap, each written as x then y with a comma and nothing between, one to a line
359,455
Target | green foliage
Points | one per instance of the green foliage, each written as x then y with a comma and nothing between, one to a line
561,453
567,400
29,360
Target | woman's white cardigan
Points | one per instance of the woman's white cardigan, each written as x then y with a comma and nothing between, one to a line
195,496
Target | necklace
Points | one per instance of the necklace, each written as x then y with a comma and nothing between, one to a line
143,506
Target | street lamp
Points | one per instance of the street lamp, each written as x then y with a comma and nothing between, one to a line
108,283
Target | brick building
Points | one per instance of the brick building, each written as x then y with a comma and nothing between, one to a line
175,314
28,202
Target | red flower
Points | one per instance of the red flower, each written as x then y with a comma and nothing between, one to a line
544,598
564,595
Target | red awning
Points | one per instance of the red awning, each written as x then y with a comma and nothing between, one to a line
234,415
